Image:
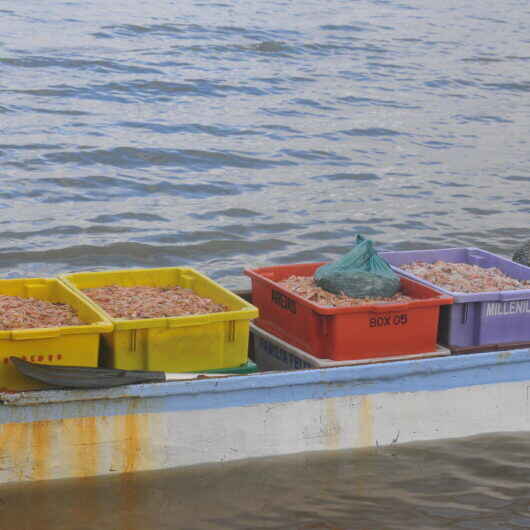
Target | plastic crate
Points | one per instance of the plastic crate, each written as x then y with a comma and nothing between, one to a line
184,343
478,319
343,333
66,345
272,353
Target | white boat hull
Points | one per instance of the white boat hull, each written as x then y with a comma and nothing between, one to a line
63,434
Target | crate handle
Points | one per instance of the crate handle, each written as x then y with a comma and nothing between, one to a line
176,323
186,281
35,334
477,259
508,296
380,308
37,290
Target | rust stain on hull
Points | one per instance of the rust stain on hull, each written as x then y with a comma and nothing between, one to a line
331,424
76,447
40,442
366,422
84,442
26,448
13,442
132,444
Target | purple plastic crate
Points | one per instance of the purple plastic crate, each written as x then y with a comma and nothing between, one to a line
480,319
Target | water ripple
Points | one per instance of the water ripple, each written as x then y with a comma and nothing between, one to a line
97,65
130,157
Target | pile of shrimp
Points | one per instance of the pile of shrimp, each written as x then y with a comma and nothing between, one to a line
21,313
151,302
306,287
464,278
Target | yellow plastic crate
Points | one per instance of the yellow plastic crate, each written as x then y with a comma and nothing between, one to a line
184,343
67,345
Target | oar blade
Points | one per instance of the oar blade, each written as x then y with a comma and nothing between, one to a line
84,376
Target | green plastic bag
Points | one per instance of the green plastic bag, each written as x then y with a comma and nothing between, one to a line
361,273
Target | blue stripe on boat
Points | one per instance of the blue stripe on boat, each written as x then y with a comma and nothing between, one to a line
276,387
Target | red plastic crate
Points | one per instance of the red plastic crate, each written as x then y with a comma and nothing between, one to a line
342,333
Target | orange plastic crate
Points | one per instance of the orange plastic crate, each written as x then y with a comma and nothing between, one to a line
342,333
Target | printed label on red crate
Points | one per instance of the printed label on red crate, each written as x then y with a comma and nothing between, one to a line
388,320
283,301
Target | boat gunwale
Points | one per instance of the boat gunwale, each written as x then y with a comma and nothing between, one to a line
352,377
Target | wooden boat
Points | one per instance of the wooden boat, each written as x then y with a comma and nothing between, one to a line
53,434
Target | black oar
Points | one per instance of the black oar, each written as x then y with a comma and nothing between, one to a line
88,377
